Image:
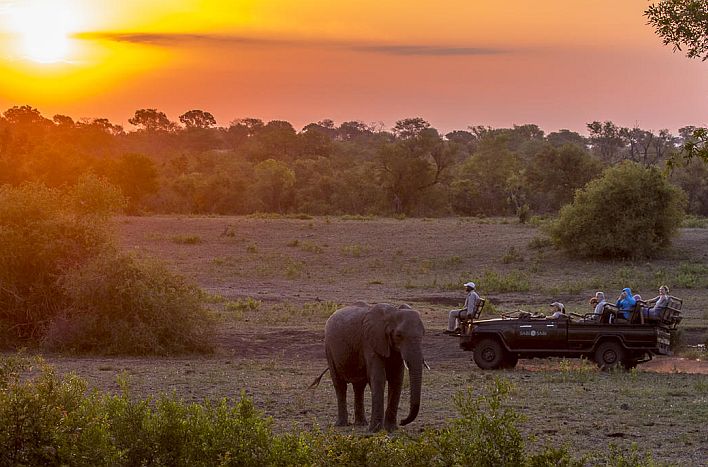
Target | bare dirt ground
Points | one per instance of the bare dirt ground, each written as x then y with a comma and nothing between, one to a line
295,268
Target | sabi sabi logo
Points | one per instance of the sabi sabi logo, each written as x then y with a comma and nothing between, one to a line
532,332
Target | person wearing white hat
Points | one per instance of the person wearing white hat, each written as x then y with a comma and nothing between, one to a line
453,322
559,310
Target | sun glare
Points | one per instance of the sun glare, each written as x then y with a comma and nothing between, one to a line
43,28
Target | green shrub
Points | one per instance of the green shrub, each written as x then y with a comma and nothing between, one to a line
122,305
243,304
187,239
695,222
631,211
515,281
47,420
50,421
512,255
539,243
44,232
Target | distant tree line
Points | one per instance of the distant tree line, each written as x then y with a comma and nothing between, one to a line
197,166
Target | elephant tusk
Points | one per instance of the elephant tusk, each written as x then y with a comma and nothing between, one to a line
426,364
405,364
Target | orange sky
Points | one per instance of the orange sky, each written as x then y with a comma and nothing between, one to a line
556,63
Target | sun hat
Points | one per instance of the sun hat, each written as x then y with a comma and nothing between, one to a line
470,285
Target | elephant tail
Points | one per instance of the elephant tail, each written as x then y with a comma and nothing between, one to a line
317,380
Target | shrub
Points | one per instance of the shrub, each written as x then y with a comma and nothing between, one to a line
243,304
46,420
632,211
122,305
187,239
50,421
515,281
44,232
512,255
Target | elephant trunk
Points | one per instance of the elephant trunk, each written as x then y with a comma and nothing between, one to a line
415,371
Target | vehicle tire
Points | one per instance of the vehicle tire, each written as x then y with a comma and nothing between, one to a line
510,361
610,355
489,354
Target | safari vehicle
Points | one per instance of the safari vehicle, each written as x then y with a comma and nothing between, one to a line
606,339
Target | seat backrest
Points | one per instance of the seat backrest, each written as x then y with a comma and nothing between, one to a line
609,313
478,308
637,317
671,314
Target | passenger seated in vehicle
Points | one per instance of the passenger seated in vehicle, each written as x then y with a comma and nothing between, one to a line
625,303
600,302
559,310
660,302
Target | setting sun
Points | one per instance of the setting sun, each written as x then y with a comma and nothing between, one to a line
43,28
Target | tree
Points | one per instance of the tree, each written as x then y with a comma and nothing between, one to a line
605,140
151,120
273,183
681,23
136,175
631,212
412,165
684,22
26,116
409,127
553,175
562,137
197,119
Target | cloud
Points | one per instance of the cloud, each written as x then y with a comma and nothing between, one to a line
183,39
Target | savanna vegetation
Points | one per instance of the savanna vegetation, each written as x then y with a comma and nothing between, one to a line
49,420
194,166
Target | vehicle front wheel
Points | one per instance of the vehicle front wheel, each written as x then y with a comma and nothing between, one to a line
489,354
609,356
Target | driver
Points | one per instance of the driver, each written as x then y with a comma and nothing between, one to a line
453,321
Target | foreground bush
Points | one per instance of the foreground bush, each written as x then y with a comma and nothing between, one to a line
44,232
122,305
63,284
632,211
48,420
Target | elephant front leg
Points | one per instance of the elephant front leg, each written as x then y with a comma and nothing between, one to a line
394,374
359,414
377,381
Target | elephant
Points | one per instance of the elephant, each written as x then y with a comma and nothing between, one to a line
368,344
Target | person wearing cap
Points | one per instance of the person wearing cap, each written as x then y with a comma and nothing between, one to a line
600,303
558,310
453,322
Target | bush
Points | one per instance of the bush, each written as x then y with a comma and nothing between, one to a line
46,420
122,305
630,212
44,232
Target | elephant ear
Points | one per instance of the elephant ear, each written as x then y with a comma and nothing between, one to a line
377,327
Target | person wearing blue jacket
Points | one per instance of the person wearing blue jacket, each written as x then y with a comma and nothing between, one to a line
626,303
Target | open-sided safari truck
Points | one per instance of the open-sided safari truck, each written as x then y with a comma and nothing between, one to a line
610,341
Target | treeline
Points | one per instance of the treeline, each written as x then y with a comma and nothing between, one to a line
196,166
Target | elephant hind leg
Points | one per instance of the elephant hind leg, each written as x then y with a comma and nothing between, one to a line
340,388
359,414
